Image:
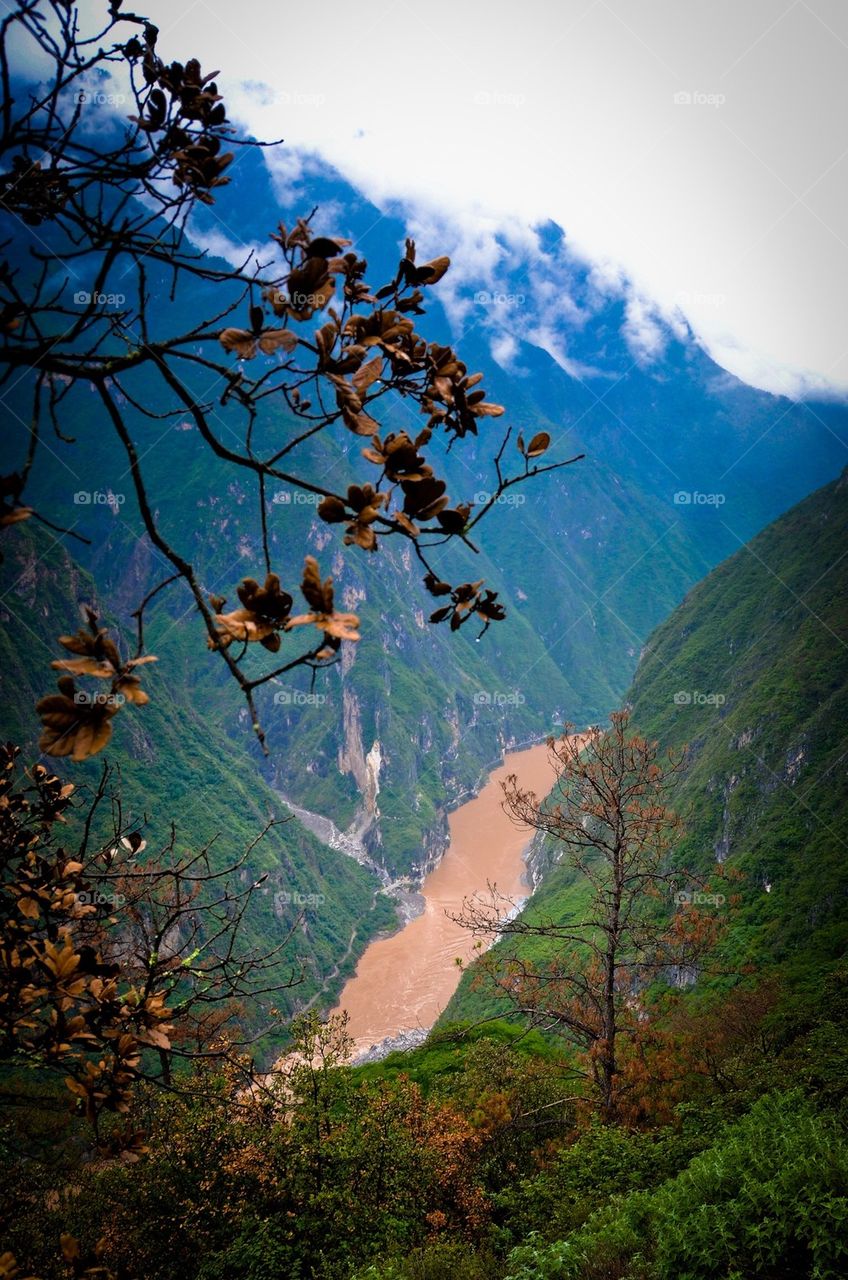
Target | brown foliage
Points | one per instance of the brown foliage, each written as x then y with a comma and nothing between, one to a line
110,967
62,1002
79,724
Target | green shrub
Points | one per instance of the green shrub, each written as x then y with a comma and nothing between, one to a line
604,1161
441,1261
257,1253
767,1201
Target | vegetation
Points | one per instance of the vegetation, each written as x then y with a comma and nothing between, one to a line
478,1154
191,777
764,790
642,1079
609,821
761,790
468,1165
118,964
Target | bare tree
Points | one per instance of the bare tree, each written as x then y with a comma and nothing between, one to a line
300,333
610,823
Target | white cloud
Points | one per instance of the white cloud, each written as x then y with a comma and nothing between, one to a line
494,115
551,340
239,254
644,330
504,349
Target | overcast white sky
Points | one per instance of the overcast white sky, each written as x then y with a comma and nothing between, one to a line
730,205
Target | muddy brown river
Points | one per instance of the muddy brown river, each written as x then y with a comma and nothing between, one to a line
403,983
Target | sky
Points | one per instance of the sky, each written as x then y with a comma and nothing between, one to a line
694,151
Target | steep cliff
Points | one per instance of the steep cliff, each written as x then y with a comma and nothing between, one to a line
751,674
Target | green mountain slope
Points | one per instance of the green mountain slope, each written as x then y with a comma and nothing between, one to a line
750,675
767,781
176,763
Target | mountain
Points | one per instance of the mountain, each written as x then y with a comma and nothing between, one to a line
683,463
687,561
749,676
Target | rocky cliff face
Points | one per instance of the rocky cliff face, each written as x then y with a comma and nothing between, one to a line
362,766
540,857
351,750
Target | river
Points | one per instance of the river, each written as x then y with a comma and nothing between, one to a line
403,982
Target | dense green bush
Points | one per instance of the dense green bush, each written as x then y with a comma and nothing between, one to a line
442,1261
257,1252
768,1201
604,1161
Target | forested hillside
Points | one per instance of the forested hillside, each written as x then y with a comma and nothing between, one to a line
748,677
